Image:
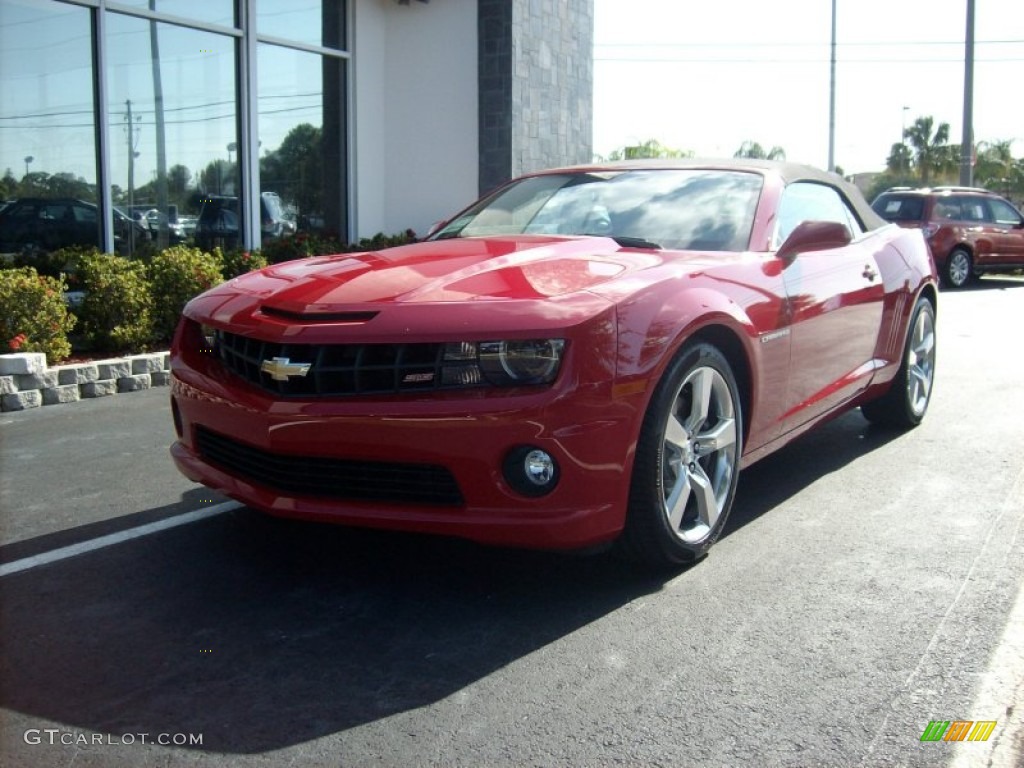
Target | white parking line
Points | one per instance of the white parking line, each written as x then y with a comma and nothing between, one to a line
82,547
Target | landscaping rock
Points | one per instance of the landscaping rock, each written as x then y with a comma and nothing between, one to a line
114,369
19,401
147,363
134,383
161,378
42,380
64,393
7,385
23,363
77,374
100,388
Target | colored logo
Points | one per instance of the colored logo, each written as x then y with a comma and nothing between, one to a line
958,730
281,368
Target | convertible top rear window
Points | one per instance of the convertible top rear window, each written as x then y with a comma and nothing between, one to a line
693,209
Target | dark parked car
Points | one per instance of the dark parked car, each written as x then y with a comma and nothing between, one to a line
588,354
36,224
218,221
970,231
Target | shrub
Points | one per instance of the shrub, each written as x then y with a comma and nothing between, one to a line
33,317
237,262
115,315
381,241
306,244
63,261
300,246
176,276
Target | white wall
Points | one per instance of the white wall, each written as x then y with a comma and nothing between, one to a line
414,141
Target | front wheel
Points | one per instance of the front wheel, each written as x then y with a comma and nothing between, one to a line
906,402
687,461
959,268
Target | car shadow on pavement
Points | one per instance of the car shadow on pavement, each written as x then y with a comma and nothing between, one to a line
261,633
822,451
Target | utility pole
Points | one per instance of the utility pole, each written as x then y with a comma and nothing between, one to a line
133,134
832,97
967,144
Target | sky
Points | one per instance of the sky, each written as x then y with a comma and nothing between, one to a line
707,76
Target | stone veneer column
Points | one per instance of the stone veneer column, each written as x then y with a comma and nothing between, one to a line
536,69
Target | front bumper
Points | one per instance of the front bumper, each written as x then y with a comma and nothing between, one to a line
579,421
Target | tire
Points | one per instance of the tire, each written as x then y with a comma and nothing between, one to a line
906,402
687,461
959,269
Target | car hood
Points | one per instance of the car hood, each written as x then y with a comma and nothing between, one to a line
449,286
455,270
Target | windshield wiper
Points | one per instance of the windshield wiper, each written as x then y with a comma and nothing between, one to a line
627,242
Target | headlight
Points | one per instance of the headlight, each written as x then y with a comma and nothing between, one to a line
504,363
532,361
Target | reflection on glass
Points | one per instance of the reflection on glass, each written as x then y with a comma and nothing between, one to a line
313,22
208,11
301,121
172,124
47,129
703,210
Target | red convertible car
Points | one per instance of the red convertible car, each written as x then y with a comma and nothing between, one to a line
587,355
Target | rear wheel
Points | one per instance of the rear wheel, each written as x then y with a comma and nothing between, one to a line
959,268
687,462
906,402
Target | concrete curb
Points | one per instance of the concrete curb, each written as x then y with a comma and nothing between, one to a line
26,382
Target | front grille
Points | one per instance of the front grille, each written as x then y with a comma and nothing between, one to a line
334,369
318,476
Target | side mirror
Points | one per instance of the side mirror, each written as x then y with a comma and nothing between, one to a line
814,236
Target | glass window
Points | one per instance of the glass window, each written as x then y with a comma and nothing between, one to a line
312,22
172,129
899,208
47,123
207,11
1004,213
807,201
679,209
302,139
947,208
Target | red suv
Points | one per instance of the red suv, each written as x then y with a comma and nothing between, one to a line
970,231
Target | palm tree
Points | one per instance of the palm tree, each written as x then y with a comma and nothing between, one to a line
648,149
994,165
930,154
755,151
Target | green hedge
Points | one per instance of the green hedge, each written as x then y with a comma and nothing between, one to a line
33,316
116,313
176,276
130,304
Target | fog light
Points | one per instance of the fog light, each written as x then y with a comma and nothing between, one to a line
540,467
531,471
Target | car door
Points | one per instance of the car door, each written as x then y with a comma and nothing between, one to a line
835,299
1007,232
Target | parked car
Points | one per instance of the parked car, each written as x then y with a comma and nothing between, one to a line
586,355
37,224
970,231
175,230
218,221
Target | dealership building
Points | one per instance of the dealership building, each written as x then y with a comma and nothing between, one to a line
358,116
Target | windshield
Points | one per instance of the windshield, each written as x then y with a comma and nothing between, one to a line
680,209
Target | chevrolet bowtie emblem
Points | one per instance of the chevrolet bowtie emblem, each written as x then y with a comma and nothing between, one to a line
282,369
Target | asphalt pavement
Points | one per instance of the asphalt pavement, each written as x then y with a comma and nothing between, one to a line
868,584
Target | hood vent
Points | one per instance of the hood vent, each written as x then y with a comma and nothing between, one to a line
319,317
